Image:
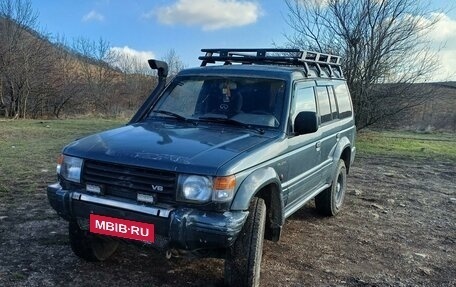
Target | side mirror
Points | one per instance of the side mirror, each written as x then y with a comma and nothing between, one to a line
305,123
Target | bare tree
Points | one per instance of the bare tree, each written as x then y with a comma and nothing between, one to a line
66,82
129,64
13,16
25,62
96,63
174,62
381,41
40,77
138,79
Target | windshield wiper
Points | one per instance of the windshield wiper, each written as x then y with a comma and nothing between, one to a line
232,122
174,115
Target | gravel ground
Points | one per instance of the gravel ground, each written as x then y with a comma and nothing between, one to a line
398,228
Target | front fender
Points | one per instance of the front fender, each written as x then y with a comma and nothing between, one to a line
252,184
264,183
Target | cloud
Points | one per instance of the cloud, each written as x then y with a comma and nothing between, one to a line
312,3
132,53
209,14
447,70
442,37
93,16
444,29
438,32
131,60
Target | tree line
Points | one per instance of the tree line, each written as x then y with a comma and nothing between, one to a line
383,45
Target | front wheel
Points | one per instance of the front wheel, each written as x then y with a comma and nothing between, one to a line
88,246
329,202
243,259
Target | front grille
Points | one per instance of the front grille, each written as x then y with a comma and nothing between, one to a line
127,181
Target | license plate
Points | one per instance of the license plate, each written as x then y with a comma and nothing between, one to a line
123,228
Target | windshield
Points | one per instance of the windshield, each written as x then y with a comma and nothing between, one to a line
251,101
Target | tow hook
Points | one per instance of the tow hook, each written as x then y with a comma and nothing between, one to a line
168,254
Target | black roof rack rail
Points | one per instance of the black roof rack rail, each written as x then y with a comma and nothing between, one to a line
282,57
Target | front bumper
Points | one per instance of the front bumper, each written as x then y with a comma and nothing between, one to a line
182,228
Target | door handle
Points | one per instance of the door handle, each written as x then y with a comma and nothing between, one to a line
318,146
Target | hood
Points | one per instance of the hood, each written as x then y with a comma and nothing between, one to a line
182,148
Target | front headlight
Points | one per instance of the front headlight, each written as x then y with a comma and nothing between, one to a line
69,168
201,189
195,188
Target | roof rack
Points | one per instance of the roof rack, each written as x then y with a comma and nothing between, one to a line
331,64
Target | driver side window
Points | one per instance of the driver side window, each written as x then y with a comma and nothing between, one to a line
304,100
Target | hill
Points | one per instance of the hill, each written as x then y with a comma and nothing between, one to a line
438,112
40,78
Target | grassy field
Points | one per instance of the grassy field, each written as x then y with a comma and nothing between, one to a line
29,148
439,146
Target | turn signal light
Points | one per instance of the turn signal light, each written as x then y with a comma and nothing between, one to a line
224,183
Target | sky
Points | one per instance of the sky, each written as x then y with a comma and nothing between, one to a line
151,28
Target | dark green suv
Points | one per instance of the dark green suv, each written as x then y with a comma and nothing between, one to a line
214,161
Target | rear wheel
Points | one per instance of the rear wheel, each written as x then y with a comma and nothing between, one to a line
243,259
88,246
330,201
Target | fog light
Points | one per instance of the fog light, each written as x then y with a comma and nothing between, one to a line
94,188
147,198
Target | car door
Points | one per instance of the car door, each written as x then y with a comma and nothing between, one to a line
329,128
303,150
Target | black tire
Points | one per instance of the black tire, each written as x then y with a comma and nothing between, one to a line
329,202
243,259
88,246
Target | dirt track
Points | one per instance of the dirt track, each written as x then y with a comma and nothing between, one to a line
398,228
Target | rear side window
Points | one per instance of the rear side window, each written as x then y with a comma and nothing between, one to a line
343,100
324,104
332,98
